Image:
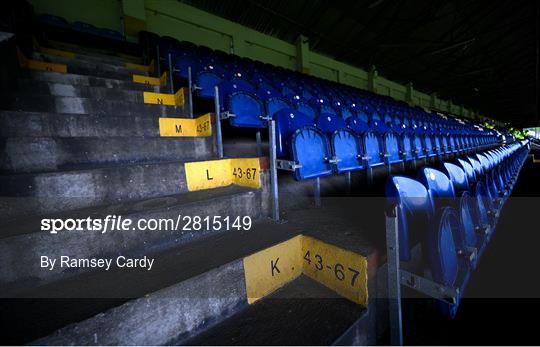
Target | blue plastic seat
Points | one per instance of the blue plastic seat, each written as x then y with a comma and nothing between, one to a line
206,80
287,122
347,149
310,148
441,190
248,110
276,104
306,109
457,176
415,210
227,87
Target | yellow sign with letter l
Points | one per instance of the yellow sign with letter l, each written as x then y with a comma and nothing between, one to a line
221,173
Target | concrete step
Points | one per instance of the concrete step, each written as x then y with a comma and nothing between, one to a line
117,61
75,105
60,125
44,154
92,51
74,64
303,312
199,288
27,242
189,292
75,189
90,81
28,86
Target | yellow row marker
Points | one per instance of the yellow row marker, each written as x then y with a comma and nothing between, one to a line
223,172
153,81
139,67
39,65
272,268
341,270
52,51
177,99
186,127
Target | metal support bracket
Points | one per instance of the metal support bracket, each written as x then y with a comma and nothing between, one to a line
429,287
227,115
287,165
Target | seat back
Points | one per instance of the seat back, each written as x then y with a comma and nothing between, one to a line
415,209
441,247
392,147
373,148
438,184
346,147
408,146
329,122
306,109
310,148
206,80
287,122
247,109
457,176
275,104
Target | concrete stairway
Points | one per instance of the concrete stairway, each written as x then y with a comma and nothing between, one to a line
84,144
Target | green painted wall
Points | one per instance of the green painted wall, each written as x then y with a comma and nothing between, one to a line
184,22
101,13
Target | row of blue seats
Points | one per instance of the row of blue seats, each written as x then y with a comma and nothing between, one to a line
331,144
277,86
452,211
340,128
61,23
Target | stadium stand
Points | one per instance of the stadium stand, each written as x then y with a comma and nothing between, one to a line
103,134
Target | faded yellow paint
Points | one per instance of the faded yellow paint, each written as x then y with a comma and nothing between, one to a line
176,99
139,67
271,268
341,270
153,81
186,127
39,65
246,172
221,173
208,174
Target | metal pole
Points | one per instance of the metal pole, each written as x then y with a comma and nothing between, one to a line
369,175
259,143
273,170
218,123
190,92
348,176
171,74
317,193
394,283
